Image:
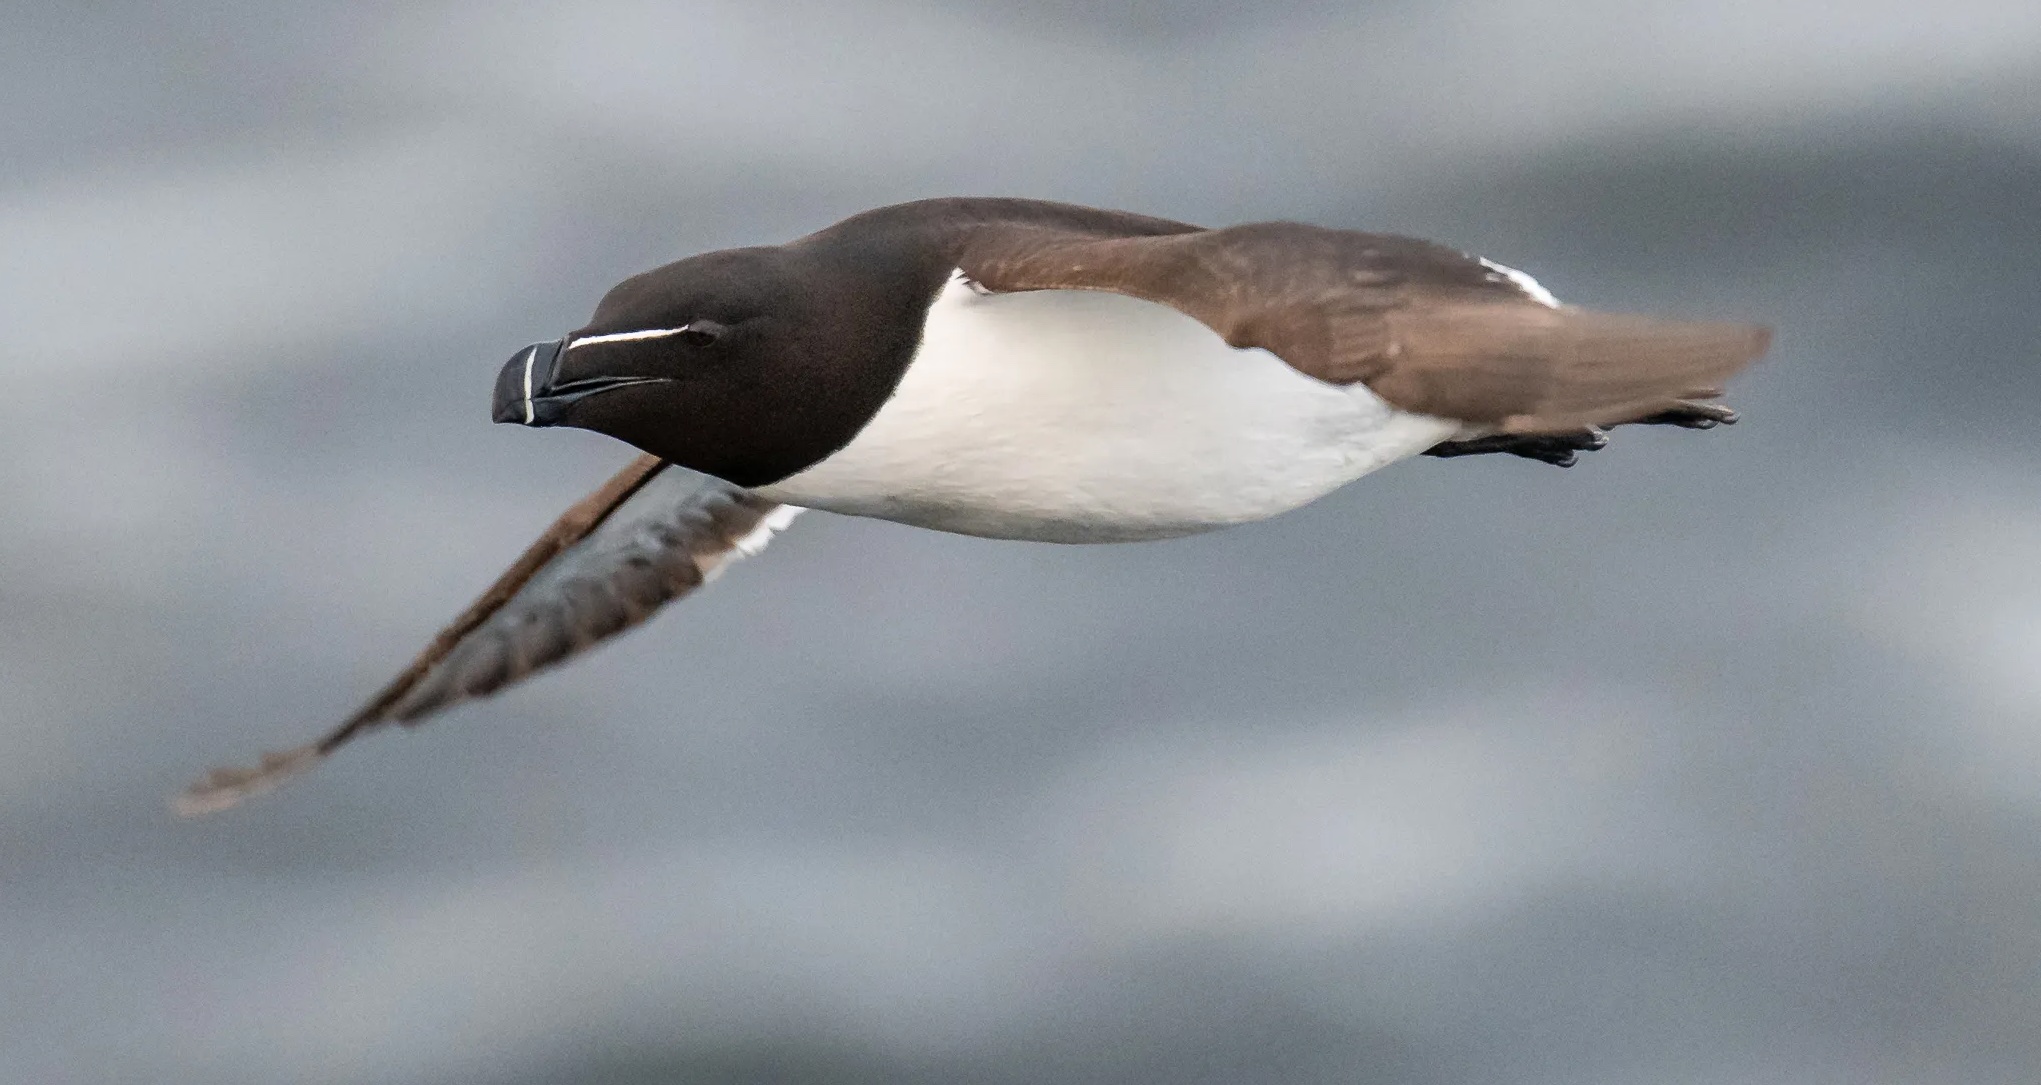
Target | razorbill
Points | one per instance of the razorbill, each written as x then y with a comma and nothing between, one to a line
1020,369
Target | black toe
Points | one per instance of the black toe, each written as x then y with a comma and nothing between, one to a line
1691,416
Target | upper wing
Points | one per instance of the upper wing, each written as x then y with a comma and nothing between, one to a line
1429,329
651,534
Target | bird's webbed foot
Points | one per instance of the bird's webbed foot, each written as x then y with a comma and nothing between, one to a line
1557,449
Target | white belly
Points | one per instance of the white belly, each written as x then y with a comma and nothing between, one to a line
1082,416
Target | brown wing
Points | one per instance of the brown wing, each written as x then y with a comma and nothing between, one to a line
1427,328
650,535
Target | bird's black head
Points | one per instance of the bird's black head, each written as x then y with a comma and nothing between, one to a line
746,364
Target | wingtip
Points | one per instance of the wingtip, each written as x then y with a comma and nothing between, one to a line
227,787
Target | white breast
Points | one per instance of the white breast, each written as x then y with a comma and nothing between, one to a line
1083,416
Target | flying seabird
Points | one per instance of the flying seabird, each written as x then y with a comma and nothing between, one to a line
1020,369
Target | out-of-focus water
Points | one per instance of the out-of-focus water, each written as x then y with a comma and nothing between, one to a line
1714,760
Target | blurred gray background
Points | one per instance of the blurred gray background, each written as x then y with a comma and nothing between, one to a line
1714,760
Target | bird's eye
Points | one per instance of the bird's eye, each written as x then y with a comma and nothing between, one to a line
701,333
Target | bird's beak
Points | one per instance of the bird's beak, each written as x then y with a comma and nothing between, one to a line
522,389
531,390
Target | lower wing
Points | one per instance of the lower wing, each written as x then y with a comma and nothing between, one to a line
652,534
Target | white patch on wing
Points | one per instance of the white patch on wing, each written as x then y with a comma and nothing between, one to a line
775,522
530,356
752,543
1087,416
623,337
1531,287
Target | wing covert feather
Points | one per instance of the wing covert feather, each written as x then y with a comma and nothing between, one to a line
1430,329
